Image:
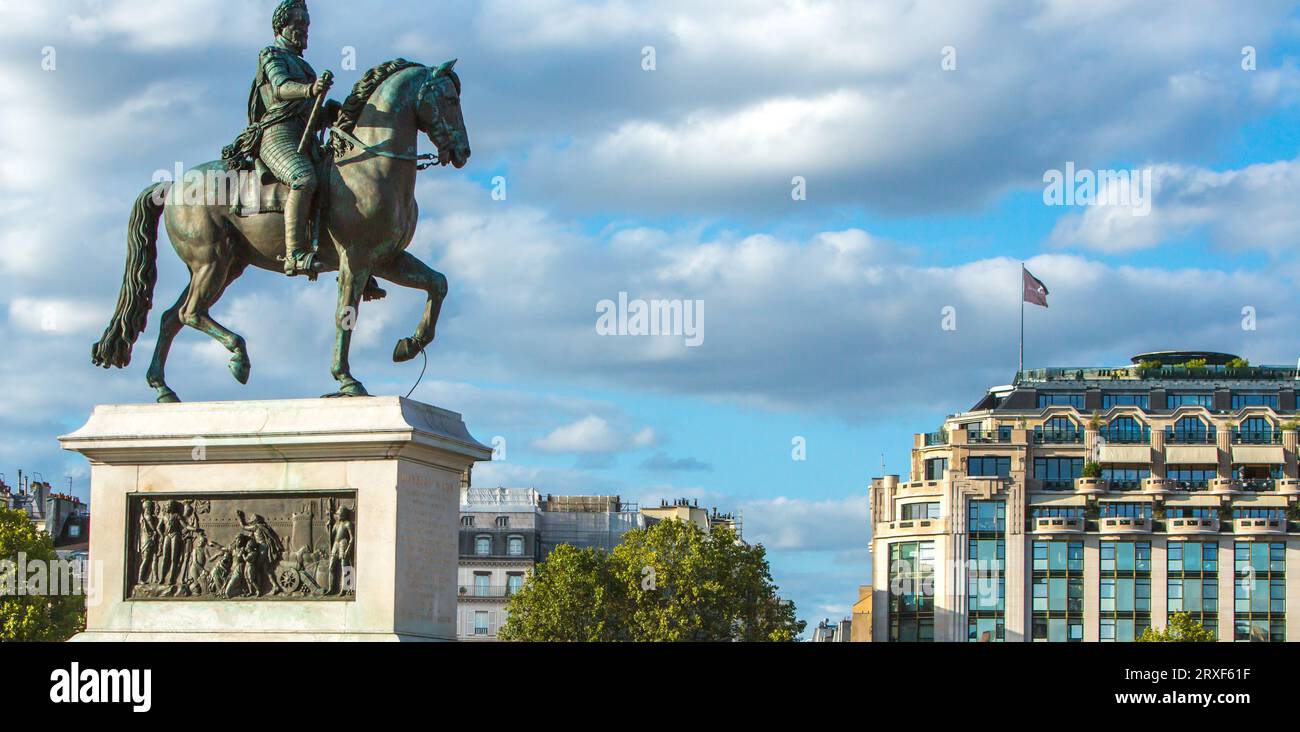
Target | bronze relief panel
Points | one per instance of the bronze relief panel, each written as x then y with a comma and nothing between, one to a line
242,546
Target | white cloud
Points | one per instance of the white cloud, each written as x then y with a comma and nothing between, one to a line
796,524
593,435
54,316
1240,209
165,25
645,437
852,97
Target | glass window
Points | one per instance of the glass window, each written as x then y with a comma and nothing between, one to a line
1057,473
1126,430
1123,399
1191,399
1190,431
989,466
515,546
480,623
483,546
1254,400
1060,399
911,591
1191,477
986,579
1057,592
1255,431
1259,591
986,589
1073,512
926,510
1125,477
986,517
1117,509
482,584
986,630
1058,430
1124,589
514,582
935,467
1276,514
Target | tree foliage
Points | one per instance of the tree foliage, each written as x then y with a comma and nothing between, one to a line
669,582
25,617
1182,628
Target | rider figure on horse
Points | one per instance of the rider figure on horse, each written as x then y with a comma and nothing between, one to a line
279,110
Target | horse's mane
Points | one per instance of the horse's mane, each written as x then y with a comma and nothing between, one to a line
355,104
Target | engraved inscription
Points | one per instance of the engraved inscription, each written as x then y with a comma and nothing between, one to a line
272,546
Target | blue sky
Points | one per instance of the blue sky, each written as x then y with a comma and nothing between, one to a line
822,316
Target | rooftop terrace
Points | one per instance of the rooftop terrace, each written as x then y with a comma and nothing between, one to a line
1165,366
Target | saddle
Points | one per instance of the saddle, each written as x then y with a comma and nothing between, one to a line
269,195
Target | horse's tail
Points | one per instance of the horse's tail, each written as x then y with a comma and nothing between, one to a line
136,297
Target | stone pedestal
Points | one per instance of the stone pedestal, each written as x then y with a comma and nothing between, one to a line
310,520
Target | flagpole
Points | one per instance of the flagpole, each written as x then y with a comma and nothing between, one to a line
1021,369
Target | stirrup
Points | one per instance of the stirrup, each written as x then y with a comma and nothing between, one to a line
301,262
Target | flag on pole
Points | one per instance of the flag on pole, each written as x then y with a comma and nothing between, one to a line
1035,291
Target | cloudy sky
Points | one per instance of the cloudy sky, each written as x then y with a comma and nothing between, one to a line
920,131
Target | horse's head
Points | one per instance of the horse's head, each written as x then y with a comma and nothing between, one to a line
439,116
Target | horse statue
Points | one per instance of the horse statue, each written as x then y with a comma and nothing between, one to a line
366,225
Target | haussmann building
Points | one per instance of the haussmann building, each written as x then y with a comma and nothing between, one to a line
1087,504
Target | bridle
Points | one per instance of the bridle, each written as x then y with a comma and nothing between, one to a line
423,161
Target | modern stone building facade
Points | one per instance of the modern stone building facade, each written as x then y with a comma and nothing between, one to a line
1085,504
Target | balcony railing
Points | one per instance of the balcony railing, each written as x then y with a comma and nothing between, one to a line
1192,525
1125,484
1066,484
1071,373
1253,526
1000,435
1127,436
1256,437
1090,486
1188,486
1124,524
1049,524
1198,437
1255,484
936,438
488,590
1058,437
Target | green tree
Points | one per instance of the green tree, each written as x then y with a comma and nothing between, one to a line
26,617
1182,628
570,597
669,582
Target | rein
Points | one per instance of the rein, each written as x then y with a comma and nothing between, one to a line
429,159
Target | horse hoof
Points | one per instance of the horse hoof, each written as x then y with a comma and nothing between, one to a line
350,388
167,396
240,367
406,349
372,291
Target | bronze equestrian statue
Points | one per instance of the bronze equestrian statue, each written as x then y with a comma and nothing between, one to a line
366,175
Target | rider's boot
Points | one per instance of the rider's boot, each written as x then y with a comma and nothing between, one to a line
299,258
